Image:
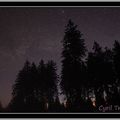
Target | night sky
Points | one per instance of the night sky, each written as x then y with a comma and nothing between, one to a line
36,33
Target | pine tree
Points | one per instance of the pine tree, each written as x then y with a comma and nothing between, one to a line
95,66
21,89
41,87
115,94
31,98
109,73
47,84
116,55
72,64
95,62
51,83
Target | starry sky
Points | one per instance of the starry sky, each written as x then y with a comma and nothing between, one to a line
36,33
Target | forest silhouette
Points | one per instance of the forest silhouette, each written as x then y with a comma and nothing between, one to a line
88,80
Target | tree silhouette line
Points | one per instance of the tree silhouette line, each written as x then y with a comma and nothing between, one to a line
88,79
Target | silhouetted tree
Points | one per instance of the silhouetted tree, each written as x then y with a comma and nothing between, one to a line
95,65
21,89
47,84
41,86
72,64
116,55
32,101
109,73
115,93
51,82
95,62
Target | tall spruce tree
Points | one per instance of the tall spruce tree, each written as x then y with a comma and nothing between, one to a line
51,83
41,87
95,65
116,55
47,84
109,73
116,85
95,62
21,89
72,64
31,98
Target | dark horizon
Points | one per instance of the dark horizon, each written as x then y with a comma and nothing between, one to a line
36,33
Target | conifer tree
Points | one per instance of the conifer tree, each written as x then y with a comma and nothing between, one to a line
72,61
